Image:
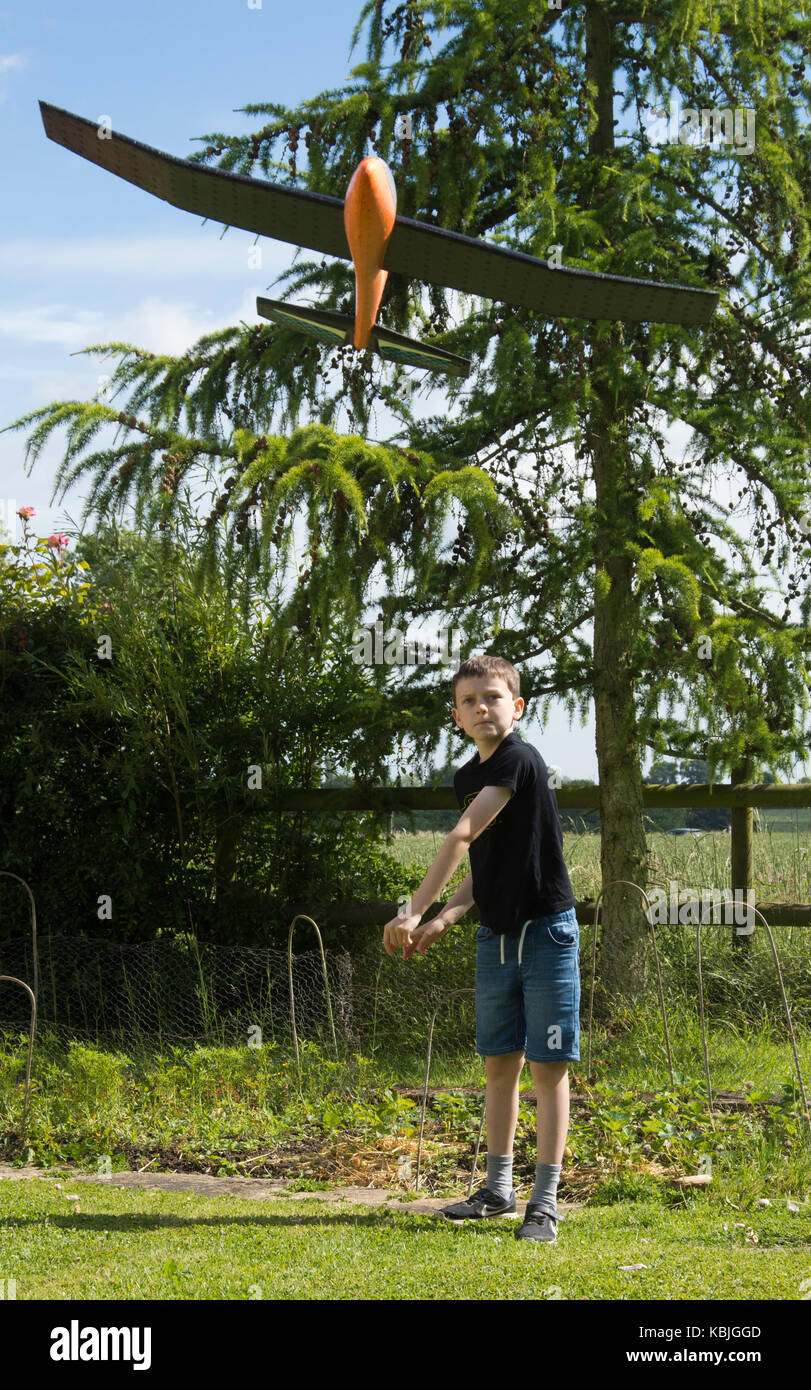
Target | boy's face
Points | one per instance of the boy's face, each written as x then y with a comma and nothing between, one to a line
485,709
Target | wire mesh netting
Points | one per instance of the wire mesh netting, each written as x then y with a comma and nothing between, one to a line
185,991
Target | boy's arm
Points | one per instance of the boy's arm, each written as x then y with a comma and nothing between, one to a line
473,821
452,851
452,911
456,907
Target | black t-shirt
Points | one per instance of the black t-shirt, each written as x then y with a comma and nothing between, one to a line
517,863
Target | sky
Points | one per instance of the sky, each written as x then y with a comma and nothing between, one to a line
87,258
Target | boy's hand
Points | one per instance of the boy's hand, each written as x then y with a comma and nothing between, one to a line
398,931
425,936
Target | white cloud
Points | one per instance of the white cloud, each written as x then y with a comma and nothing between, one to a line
150,257
50,324
156,324
13,60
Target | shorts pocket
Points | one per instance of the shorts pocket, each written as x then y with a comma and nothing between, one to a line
483,934
564,933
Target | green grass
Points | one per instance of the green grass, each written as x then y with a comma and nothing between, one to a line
229,1110
157,1245
220,1108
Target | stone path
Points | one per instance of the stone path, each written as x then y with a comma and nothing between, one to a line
260,1189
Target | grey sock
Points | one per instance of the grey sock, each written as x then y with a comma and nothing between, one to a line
545,1191
500,1174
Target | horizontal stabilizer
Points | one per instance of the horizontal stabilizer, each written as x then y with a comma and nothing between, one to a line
339,330
394,347
332,328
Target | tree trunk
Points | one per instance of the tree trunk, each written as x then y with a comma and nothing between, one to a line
228,831
623,849
624,955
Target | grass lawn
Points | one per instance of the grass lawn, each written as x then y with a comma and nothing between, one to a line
227,1109
125,1244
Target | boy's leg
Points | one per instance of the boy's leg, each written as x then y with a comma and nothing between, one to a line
501,1108
551,1082
501,1111
501,1100
551,985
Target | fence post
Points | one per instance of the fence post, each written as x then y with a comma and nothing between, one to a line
741,849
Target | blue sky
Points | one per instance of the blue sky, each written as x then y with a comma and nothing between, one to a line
88,258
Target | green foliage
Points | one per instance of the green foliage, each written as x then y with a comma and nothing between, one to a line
510,140
153,748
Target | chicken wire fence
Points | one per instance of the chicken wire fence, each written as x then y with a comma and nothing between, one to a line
185,991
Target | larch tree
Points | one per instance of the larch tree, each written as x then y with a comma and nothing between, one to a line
555,468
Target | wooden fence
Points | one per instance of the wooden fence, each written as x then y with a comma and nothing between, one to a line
740,797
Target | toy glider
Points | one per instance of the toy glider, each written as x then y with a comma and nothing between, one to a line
364,228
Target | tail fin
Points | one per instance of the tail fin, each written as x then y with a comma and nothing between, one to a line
339,329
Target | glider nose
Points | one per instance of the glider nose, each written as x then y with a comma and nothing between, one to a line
374,175
370,209
370,212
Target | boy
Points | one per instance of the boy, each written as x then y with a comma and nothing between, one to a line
527,953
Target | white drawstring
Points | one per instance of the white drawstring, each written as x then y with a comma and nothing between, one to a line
521,942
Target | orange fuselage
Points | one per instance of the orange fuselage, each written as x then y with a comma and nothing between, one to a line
370,211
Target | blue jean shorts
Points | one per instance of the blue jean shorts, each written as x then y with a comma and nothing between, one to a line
528,990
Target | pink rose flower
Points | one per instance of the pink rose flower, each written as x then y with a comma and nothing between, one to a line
57,541
26,512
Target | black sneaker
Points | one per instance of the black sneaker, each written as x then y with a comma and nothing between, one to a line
483,1202
539,1224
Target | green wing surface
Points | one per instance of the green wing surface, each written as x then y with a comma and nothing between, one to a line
319,323
269,209
396,348
416,249
463,263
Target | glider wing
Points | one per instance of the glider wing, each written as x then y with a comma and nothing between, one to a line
287,214
497,272
414,249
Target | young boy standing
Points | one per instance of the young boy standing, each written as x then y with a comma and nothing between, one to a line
527,953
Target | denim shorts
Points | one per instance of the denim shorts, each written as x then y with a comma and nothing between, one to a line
528,990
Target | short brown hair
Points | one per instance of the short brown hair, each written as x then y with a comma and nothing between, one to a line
485,665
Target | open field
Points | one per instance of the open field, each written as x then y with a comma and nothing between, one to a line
782,861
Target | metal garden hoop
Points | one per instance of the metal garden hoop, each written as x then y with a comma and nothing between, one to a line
12,979
301,917
425,1093
6,873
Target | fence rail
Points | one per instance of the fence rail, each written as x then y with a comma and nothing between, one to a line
353,913
677,794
